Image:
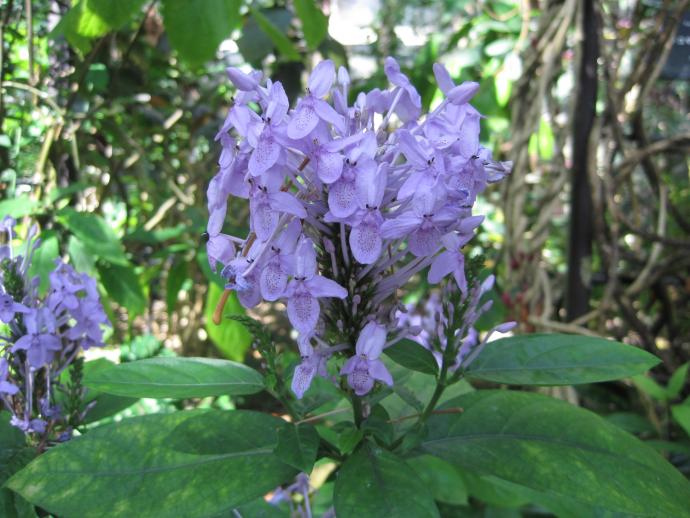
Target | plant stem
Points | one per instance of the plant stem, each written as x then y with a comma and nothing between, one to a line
357,409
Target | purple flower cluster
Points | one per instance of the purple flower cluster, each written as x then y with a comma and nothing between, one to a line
347,203
42,335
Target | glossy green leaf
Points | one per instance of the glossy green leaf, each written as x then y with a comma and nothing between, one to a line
131,469
557,359
559,450
230,336
314,22
281,42
95,234
173,377
298,445
443,479
123,286
412,355
195,29
375,483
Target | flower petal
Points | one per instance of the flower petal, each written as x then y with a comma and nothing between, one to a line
424,241
342,198
273,281
443,264
329,167
321,78
303,311
371,341
302,377
264,156
303,121
378,371
366,243
285,202
320,286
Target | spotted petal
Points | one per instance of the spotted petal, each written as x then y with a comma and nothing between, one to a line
303,311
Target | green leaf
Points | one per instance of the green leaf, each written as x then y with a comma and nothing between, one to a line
281,42
377,484
195,29
314,22
13,456
349,438
412,355
95,234
650,387
176,276
559,450
105,405
173,377
19,207
122,285
443,479
556,359
677,381
44,259
130,469
231,337
82,260
681,413
298,445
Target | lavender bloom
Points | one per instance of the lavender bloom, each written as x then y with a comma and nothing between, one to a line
5,386
8,308
307,287
44,335
347,203
40,342
365,368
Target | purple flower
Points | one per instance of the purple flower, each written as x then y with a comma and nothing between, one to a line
423,225
5,386
365,368
267,202
8,307
306,287
409,105
313,363
274,275
342,194
266,134
312,108
40,343
451,260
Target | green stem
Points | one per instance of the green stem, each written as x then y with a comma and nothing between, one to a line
357,410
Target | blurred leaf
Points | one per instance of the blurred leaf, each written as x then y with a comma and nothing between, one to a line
412,355
231,337
314,22
681,413
44,259
177,275
122,285
297,446
141,347
83,261
94,234
630,422
558,359
130,469
677,381
376,483
570,451
19,207
650,387
281,42
174,377
195,29
500,47
443,479
14,454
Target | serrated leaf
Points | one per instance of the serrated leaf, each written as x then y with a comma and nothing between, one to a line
559,450
196,29
131,469
375,483
556,359
174,377
412,355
